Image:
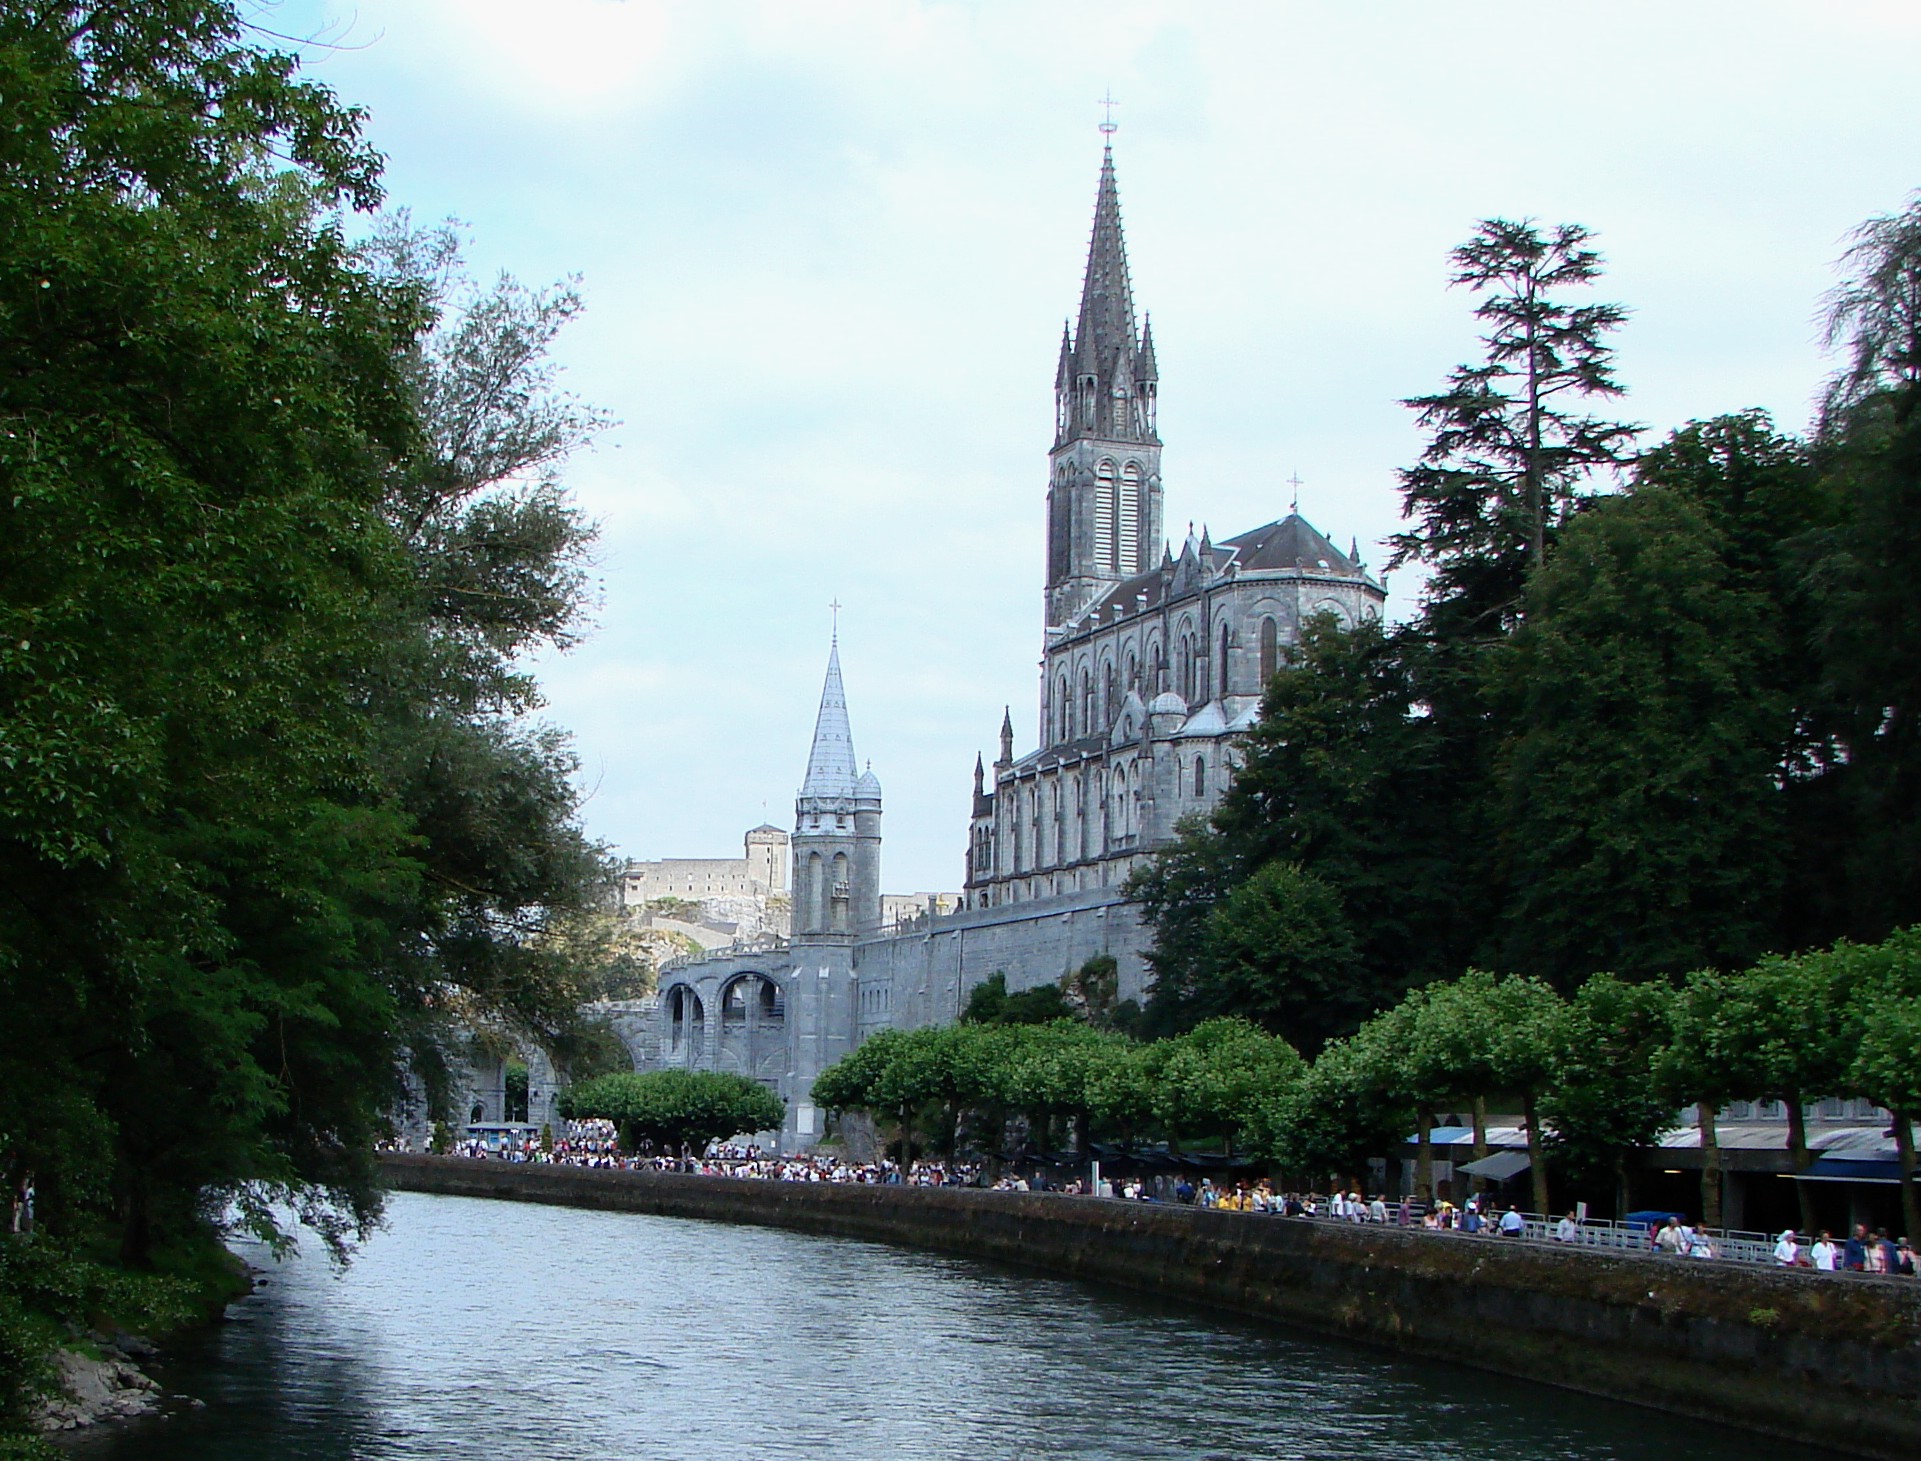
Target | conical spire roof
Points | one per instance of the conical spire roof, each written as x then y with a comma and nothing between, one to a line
831,767
1106,329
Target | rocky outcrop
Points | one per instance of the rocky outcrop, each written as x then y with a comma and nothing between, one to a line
111,1387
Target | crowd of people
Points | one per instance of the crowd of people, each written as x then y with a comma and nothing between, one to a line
596,1144
1861,1252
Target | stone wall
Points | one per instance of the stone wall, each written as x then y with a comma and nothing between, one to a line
929,973
1833,1361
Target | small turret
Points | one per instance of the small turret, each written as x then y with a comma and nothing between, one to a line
1007,738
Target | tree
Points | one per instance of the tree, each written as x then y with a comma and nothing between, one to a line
1706,1063
1602,1107
1870,445
1510,451
1279,953
676,1109
1214,1080
1643,828
989,1003
1345,778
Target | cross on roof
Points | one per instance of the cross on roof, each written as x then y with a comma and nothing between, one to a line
835,606
1295,482
1108,125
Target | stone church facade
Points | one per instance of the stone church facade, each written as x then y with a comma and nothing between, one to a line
1153,664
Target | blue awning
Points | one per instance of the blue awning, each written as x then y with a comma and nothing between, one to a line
1839,1169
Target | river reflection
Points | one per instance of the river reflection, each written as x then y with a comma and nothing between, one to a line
486,1329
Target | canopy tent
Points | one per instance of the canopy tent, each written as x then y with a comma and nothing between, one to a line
1498,1167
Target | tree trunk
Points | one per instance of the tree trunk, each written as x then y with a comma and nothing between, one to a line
1904,1151
1424,1156
1536,1153
1623,1186
1798,1148
1710,1166
1480,1139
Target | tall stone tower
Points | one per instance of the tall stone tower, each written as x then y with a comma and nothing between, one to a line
1104,491
836,827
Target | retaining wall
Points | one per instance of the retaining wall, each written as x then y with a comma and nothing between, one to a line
1833,1361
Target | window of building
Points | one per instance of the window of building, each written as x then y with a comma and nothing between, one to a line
1223,670
1200,776
1131,513
1104,475
1270,650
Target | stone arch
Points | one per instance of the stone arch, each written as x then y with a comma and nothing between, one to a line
1270,649
1200,776
686,1024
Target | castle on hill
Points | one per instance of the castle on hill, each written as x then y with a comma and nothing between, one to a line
1153,665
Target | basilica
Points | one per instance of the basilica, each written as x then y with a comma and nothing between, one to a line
1153,664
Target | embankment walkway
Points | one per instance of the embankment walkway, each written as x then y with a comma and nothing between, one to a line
1786,1353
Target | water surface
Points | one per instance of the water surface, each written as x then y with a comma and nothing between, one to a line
491,1329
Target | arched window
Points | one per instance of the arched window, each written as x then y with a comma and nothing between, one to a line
1129,531
1133,672
1087,703
1063,711
1200,776
1223,669
814,908
1270,650
1187,668
842,892
1110,702
1104,514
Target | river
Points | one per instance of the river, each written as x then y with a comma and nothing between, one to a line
499,1330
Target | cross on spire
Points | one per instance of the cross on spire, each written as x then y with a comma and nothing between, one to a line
1295,482
835,607
1108,125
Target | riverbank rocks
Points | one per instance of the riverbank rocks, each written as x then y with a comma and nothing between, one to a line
111,1387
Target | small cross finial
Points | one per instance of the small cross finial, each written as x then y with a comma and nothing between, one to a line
1295,482
1108,125
835,606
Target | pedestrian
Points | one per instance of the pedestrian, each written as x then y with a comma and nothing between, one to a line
1513,1225
1823,1255
1787,1250
1904,1259
1567,1229
1854,1256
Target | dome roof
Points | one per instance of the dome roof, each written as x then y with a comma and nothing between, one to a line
1167,703
868,786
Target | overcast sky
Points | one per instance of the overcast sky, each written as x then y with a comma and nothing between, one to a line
827,249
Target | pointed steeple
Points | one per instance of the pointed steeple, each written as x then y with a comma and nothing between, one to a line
1007,737
831,768
1146,369
1107,297
1064,372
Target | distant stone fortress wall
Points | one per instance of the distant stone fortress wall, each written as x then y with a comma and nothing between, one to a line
760,872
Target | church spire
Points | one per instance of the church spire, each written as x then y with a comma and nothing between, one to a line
831,768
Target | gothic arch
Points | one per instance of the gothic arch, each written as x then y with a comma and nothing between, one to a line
1105,514
1270,649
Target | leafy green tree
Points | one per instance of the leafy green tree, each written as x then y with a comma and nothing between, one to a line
1345,778
1216,1079
1510,449
1642,825
1602,1106
1707,1062
1887,1068
989,1003
1279,953
1870,445
1353,1102
675,1110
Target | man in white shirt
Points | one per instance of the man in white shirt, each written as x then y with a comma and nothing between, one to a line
1567,1229
1824,1252
1512,1223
